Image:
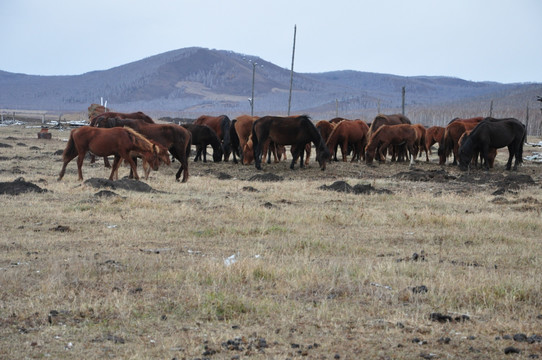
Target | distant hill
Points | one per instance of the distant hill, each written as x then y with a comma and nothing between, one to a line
193,81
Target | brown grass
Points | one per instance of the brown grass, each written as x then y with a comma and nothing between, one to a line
319,274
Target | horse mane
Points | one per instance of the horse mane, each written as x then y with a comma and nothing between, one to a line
373,137
140,140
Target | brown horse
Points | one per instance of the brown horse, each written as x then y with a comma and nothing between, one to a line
294,130
336,120
243,129
420,140
120,142
393,119
452,133
349,133
433,135
111,114
173,137
387,135
221,125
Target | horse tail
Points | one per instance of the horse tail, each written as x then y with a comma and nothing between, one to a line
447,143
70,151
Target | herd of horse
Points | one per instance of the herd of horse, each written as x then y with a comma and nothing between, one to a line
127,136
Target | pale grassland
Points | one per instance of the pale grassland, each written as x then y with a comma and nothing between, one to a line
143,275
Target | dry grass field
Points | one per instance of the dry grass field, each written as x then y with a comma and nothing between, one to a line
424,263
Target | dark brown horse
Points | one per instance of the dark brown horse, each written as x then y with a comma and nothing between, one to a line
221,125
452,133
201,137
294,130
111,114
173,137
120,142
491,155
387,135
349,133
494,133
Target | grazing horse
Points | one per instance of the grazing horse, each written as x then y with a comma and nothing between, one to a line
243,129
120,142
221,125
381,119
433,135
420,140
111,114
349,133
491,155
326,127
201,137
494,133
294,130
387,135
452,133
173,137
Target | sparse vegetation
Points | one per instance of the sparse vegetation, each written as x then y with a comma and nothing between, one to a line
314,273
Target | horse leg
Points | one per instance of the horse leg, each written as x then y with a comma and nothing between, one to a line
80,159
383,146
301,156
344,149
106,162
295,155
66,161
115,168
510,156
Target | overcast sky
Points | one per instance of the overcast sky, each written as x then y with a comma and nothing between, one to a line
479,40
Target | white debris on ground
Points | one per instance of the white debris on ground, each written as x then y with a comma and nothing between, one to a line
535,156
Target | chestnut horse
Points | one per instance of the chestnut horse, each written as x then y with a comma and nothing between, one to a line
221,125
201,137
494,133
452,133
111,114
387,135
120,142
243,130
393,119
173,137
345,133
433,135
294,130
420,140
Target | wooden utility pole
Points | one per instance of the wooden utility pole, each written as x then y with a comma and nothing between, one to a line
336,107
491,109
403,101
527,120
292,73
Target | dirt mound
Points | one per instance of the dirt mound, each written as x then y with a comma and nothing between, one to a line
266,177
124,183
2,145
422,175
343,186
19,186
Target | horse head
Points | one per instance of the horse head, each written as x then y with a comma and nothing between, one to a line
217,154
162,154
322,155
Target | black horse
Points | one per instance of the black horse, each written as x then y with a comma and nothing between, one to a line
293,130
494,133
201,137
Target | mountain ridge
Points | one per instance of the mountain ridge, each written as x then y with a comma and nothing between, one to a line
196,80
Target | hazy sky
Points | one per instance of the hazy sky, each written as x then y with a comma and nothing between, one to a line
495,40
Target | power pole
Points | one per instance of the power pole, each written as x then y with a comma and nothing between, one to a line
292,73
403,101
